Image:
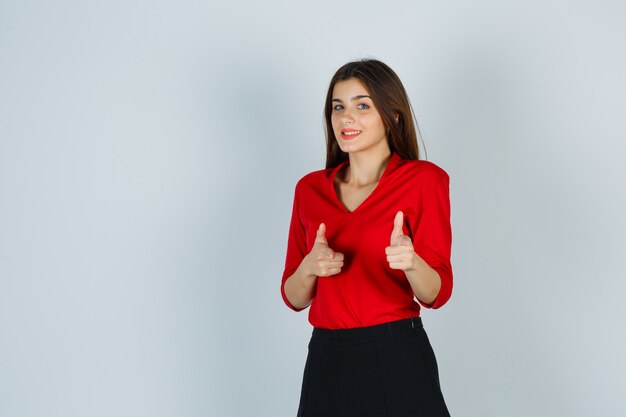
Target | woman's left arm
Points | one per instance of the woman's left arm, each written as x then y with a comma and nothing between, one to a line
425,255
424,280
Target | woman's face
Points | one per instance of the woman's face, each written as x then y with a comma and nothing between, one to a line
356,122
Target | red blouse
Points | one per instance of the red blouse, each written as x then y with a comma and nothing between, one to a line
367,291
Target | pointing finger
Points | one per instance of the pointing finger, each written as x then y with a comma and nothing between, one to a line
397,226
320,237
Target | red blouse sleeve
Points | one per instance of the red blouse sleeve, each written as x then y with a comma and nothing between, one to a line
296,246
432,232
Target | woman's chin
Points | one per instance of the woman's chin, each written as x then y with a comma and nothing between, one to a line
347,147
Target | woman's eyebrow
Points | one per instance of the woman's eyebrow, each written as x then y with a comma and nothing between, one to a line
353,98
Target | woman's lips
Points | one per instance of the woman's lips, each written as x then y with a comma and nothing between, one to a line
349,134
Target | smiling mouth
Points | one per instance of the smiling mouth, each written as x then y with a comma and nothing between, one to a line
350,134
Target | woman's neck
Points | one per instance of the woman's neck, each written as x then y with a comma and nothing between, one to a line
366,168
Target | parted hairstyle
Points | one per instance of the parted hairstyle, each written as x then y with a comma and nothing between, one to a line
389,98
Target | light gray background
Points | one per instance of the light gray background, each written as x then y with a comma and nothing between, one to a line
148,154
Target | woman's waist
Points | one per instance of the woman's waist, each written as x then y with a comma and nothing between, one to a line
381,329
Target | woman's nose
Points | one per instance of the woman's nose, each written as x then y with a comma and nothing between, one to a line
347,118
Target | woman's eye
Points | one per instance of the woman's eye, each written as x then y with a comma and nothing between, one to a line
338,107
363,106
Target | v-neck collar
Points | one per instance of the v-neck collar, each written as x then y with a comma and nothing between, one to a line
394,159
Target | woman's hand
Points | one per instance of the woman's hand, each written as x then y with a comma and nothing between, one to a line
425,281
322,261
400,253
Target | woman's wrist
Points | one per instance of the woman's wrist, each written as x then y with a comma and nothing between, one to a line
306,275
417,264
424,280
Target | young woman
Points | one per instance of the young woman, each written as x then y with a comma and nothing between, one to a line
369,242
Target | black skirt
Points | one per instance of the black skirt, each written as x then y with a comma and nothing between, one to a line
385,370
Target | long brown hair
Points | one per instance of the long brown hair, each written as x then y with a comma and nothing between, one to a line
389,98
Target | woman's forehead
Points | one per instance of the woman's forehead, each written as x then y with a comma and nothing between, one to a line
352,86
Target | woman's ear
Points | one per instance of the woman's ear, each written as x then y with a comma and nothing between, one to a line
396,117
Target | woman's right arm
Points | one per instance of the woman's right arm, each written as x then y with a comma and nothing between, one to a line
322,261
300,287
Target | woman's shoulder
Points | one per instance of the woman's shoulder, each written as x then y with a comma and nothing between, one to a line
425,169
315,178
